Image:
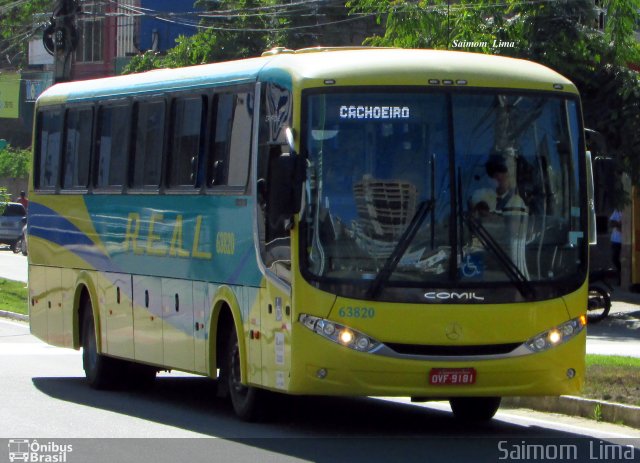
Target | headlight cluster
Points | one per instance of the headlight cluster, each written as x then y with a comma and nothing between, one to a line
340,334
556,336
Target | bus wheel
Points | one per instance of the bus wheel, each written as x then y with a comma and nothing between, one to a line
246,400
99,370
474,408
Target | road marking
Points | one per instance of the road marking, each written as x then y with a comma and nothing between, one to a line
15,323
31,348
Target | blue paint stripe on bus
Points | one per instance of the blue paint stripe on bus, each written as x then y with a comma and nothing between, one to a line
47,224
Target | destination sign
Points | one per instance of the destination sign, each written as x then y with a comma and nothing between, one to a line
374,112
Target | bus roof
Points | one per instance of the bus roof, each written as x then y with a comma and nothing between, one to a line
324,66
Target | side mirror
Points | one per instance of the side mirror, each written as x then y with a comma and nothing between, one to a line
287,173
591,205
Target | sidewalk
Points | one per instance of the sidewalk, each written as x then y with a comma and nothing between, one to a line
618,334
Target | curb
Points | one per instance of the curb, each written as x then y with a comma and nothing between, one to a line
598,410
14,316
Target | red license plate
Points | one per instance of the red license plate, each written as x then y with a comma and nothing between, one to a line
452,376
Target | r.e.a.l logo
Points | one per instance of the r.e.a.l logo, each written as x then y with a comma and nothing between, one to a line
33,451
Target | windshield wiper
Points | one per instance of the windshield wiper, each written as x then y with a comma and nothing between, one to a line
519,280
403,243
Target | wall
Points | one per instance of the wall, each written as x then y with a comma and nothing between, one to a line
14,186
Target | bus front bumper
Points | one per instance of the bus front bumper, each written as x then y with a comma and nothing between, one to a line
336,370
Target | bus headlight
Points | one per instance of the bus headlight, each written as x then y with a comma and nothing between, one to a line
557,335
339,334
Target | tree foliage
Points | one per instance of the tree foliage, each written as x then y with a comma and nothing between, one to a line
561,35
17,25
235,29
15,162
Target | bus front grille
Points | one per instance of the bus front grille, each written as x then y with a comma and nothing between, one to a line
453,351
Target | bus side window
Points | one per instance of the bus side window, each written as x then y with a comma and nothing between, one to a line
49,147
187,119
149,142
77,150
218,167
231,144
112,146
240,146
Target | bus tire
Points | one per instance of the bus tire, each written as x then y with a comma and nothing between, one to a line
247,401
598,304
99,369
474,409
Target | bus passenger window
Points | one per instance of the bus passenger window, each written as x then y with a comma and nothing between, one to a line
147,155
186,145
113,142
218,161
77,150
240,148
231,148
49,142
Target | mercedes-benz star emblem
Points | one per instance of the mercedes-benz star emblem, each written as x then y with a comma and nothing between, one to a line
453,331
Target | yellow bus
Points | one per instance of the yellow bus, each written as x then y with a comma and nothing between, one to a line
345,222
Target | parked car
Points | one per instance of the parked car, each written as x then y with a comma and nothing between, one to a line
12,223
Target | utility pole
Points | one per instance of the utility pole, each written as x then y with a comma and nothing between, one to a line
61,37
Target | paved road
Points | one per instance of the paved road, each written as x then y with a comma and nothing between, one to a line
44,396
619,333
12,266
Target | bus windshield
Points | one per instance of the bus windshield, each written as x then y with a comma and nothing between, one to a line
475,189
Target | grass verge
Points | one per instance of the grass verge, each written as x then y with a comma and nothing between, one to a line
13,296
613,378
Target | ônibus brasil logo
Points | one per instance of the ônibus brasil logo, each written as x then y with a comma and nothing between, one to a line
33,451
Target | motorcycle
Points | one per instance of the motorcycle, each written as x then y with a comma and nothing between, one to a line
600,289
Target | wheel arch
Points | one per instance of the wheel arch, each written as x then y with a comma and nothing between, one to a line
225,313
85,288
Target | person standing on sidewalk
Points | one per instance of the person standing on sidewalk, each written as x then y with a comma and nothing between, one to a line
615,223
23,200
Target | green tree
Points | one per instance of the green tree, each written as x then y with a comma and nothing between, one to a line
235,29
197,49
15,162
18,24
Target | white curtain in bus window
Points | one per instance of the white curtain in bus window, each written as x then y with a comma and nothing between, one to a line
186,141
229,162
77,148
49,152
240,146
148,147
113,140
